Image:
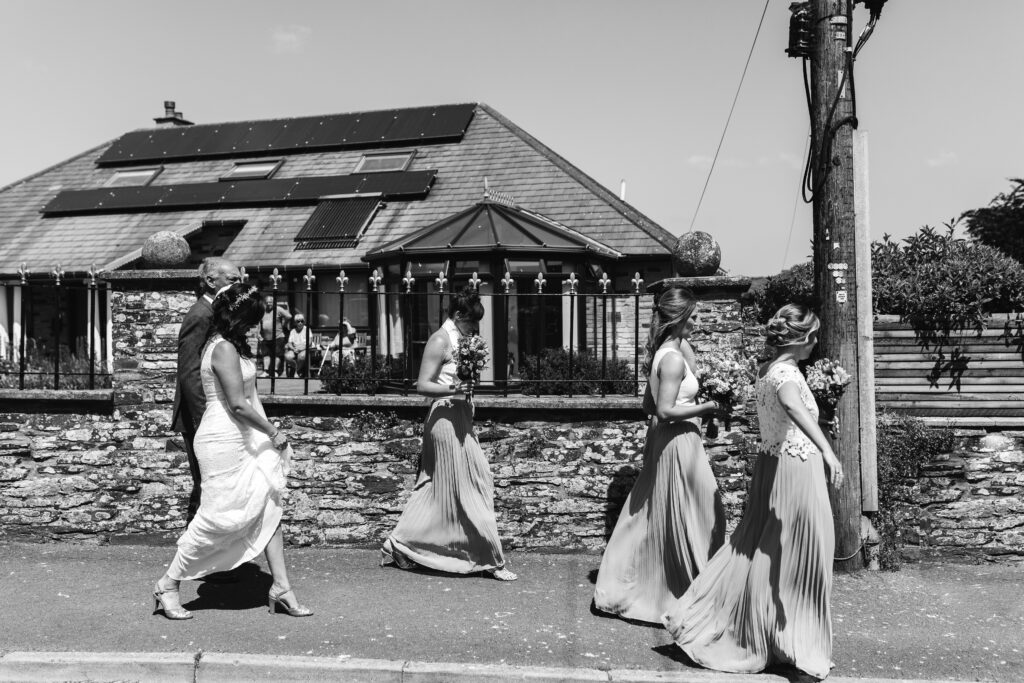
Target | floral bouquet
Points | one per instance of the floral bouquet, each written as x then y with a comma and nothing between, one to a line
471,358
725,377
827,380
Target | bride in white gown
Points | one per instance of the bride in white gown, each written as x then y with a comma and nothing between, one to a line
244,462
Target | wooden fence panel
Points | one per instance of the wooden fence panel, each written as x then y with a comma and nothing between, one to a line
975,378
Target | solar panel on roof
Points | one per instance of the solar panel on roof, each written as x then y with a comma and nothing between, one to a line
337,220
397,185
417,125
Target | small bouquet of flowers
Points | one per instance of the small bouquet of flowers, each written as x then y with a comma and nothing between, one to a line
471,358
827,380
725,377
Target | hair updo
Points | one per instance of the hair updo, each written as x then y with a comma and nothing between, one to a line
791,324
467,302
236,310
672,307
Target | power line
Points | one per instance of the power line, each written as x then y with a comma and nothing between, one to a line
796,203
729,118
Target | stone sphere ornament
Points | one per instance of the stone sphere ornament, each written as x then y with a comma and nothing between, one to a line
165,249
696,254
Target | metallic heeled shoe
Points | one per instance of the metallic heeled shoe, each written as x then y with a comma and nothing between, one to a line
502,574
175,613
274,600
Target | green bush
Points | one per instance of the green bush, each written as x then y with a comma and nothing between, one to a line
795,285
938,283
74,371
904,444
552,377
357,375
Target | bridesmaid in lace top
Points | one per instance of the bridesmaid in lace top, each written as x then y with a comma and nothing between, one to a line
764,597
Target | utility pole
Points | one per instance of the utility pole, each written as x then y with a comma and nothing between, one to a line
835,264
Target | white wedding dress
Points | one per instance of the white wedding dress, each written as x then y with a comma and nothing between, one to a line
243,482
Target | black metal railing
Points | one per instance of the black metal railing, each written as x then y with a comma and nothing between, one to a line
541,341
56,333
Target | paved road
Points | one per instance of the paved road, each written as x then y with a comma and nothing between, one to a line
952,621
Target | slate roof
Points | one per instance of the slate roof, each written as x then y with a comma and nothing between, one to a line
493,147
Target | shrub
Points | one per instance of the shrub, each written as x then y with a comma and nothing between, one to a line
1001,223
904,444
795,285
357,375
938,283
552,377
74,370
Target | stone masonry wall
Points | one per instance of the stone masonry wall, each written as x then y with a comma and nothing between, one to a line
968,501
119,474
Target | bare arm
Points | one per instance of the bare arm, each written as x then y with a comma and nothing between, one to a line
226,367
671,371
792,403
437,348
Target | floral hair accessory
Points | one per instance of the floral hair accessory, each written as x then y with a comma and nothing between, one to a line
244,296
774,321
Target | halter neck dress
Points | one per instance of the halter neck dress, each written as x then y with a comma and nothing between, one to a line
672,522
449,522
243,482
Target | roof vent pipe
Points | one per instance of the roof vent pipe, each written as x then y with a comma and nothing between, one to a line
622,190
171,116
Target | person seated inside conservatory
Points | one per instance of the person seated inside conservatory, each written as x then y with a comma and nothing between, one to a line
295,349
343,344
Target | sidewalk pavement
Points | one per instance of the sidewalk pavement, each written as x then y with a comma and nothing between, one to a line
89,608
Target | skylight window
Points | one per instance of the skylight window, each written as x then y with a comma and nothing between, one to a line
380,163
253,170
133,177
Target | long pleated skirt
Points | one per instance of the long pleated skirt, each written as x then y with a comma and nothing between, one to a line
764,597
670,526
449,523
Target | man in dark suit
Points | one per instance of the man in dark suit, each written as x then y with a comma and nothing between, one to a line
189,400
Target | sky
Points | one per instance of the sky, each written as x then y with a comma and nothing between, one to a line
634,90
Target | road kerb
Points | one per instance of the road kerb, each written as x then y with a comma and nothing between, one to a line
98,666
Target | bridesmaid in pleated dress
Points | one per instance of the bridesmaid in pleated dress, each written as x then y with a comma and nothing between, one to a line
673,520
449,523
764,598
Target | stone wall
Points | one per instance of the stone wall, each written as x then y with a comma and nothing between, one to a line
123,477
968,501
105,466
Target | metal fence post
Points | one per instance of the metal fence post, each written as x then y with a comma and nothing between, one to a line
374,300
342,281
506,283
310,279
638,283
275,279
573,282
24,272
91,289
604,282
540,282
57,274
408,281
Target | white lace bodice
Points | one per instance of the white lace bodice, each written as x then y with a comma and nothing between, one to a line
779,434
688,388
448,374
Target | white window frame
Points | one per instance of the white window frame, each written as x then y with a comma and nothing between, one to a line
406,156
153,171
235,172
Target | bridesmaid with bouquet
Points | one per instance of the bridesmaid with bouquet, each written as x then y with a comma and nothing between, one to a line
449,523
673,520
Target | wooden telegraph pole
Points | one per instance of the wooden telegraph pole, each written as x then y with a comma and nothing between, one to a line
835,271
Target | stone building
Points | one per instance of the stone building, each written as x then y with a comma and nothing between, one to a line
403,203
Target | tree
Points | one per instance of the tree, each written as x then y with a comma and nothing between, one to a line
1001,223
